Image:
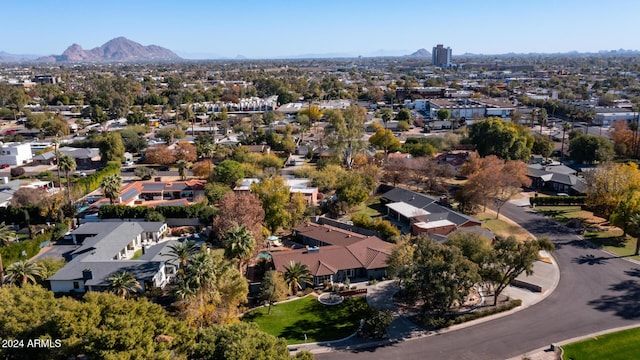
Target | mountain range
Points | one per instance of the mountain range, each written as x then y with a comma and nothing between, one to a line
119,49
122,49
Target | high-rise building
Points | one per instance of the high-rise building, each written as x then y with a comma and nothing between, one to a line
441,56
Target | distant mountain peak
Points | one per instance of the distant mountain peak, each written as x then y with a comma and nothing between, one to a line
421,53
118,49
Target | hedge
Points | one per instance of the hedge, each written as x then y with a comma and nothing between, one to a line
16,215
94,181
558,200
13,252
200,210
494,310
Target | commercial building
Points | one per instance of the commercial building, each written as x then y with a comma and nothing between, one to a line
441,56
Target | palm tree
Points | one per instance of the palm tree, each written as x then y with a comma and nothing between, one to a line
239,244
297,274
6,234
67,164
111,186
183,166
22,272
183,251
565,126
123,283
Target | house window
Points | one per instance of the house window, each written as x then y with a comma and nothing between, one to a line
349,273
76,285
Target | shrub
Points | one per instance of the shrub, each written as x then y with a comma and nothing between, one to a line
17,171
375,325
13,252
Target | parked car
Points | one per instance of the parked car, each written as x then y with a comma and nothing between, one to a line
4,166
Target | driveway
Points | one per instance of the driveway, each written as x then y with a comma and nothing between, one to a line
597,291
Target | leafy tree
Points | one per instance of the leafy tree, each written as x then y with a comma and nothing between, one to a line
511,258
273,288
202,169
144,173
542,146
123,283
403,126
241,340
634,222
111,148
439,275
185,151
375,324
296,207
274,195
160,154
239,244
169,135
590,148
344,133
611,190
241,209
66,163
137,117
133,141
229,172
296,275
386,114
496,180
404,115
443,114
111,187
353,189
215,191
154,216
508,141
23,272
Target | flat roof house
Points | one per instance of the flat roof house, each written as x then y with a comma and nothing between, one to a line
107,248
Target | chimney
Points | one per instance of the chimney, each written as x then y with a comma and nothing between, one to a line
87,274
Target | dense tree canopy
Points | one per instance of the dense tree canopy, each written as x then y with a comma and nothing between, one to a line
590,148
506,140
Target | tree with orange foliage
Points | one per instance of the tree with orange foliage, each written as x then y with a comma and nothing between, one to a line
495,180
185,151
240,209
623,138
160,154
202,169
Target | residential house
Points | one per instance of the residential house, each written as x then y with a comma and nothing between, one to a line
8,188
108,248
158,193
85,158
295,185
333,254
15,153
423,213
557,178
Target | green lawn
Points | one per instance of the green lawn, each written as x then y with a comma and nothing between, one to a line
619,345
371,208
137,254
292,320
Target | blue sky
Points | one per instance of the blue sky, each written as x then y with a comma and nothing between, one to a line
269,29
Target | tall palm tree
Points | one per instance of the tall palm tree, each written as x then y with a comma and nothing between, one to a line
565,126
297,274
6,234
209,151
22,272
183,166
123,283
67,164
183,251
111,186
239,244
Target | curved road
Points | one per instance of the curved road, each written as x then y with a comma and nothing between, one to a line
597,291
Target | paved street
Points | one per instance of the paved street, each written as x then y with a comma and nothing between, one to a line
597,291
